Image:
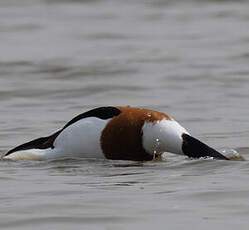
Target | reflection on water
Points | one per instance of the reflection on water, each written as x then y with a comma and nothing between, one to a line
189,58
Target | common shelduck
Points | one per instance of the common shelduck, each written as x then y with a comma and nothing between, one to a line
117,133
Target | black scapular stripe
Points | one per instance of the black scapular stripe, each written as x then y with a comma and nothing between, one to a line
48,142
103,113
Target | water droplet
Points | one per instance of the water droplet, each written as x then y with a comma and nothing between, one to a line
156,147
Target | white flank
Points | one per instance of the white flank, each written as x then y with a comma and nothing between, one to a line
163,136
31,154
81,139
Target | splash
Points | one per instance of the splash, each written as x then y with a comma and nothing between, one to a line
232,154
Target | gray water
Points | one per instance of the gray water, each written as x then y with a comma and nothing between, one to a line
187,58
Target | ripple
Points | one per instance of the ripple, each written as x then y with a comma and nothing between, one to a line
64,220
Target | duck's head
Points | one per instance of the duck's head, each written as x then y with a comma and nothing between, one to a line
194,148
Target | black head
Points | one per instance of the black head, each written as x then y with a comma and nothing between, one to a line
196,149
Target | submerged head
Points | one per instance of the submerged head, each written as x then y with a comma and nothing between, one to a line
192,147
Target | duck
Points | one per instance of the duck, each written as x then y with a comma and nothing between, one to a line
116,133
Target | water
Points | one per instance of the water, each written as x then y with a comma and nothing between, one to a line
189,58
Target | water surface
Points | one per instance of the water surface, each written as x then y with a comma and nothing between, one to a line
188,58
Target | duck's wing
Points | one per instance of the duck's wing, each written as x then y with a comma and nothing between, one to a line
39,143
